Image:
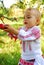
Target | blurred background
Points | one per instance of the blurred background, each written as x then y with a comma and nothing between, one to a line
12,13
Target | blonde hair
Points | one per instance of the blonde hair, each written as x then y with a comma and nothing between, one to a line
37,14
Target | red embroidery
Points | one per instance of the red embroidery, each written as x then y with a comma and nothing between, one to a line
30,47
29,35
36,33
24,46
21,36
23,62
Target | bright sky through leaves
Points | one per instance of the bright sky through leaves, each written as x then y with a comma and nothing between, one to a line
8,3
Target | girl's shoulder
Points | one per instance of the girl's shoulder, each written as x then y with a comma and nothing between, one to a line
35,28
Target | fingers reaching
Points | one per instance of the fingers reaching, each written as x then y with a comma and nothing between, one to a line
6,26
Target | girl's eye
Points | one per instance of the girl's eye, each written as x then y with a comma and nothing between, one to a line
28,17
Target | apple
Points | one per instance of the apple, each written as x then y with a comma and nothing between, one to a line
1,26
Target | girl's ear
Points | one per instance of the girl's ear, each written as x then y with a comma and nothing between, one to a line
38,21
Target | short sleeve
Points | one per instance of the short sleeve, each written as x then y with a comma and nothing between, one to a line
36,32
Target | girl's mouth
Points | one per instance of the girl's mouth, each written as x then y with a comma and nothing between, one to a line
25,22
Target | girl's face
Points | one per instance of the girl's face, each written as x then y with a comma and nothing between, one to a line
29,19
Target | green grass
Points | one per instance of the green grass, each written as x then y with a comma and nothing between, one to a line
9,59
42,44
10,53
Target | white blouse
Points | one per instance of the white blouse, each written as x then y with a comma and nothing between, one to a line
30,42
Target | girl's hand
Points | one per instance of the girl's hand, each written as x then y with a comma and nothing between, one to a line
3,26
10,29
7,28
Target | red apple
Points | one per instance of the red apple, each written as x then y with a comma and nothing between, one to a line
1,26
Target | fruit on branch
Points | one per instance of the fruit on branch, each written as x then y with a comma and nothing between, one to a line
1,26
